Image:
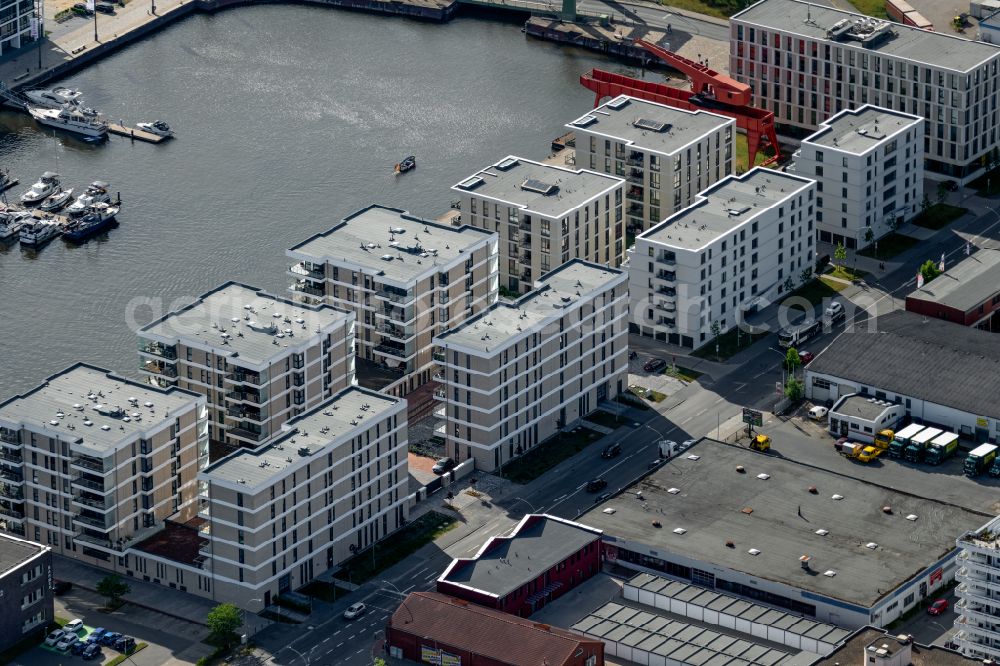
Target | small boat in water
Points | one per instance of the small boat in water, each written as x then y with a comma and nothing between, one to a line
157,127
409,163
72,119
97,192
57,201
54,98
100,217
38,231
7,181
11,223
46,186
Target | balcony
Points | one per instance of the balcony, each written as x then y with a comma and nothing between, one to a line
669,276
92,522
307,270
244,377
9,436
635,194
11,477
308,289
978,593
91,502
8,513
440,394
964,607
166,352
393,314
87,484
962,624
393,351
89,464
439,356
635,177
159,369
400,332
11,492
438,377
244,396
667,259
634,161
248,435
393,296
635,209
254,415
664,321
12,458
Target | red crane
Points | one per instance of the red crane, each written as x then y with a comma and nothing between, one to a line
710,90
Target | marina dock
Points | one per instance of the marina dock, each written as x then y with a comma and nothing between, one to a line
136,134
13,182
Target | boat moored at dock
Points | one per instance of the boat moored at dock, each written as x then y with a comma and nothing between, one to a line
99,218
36,231
96,192
157,127
71,119
56,202
45,187
11,223
53,98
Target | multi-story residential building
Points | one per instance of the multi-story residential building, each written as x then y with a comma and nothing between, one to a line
978,591
807,62
333,484
868,164
545,216
258,359
406,279
92,462
25,589
21,24
520,372
746,240
666,155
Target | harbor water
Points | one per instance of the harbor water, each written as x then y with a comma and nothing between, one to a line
287,118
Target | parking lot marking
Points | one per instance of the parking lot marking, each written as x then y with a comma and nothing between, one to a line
327,638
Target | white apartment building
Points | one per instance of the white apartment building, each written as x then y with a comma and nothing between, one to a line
869,171
666,155
807,62
258,359
16,19
545,215
522,371
744,242
91,463
406,279
978,578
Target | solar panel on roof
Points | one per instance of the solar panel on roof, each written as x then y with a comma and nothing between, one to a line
618,103
471,183
535,185
651,125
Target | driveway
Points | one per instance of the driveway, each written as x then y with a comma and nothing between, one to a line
933,629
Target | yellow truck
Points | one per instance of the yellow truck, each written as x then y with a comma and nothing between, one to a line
761,443
859,452
883,438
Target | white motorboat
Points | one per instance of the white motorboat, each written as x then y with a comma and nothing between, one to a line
97,192
71,119
157,127
54,98
11,223
57,201
46,186
38,231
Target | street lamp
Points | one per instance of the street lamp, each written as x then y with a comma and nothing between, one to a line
305,657
245,624
530,506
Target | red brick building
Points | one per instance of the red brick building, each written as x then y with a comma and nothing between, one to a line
968,293
540,560
434,628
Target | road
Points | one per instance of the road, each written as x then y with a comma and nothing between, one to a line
658,17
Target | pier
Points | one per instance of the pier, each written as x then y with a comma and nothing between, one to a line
135,134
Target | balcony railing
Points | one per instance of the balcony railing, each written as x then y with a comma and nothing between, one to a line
101,505
88,463
13,458
304,288
302,269
11,513
439,356
245,378
99,523
392,296
669,261
158,369
243,396
11,476
440,394
248,414
438,377
10,437
11,492
389,350
242,433
84,482
167,352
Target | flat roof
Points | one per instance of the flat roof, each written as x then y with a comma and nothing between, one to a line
239,320
95,408
779,517
860,130
863,407
14,552
353,410
967,284
898,351
504,564
682,641
725,206
649,126
553,294
391,242
937,49
854,651
543,189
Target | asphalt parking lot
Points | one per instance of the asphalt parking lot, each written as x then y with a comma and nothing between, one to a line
806,441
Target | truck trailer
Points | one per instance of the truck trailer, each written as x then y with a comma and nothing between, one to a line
902,438
914,451
941,448
980,459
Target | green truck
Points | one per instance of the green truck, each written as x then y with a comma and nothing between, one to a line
902,438
914,451
941,448
980,459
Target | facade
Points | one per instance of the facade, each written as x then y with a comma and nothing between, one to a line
943,374
522,371
744,242
832,556
861,417
869,171
93,462
16,24
666,155
978,589
405,279
259,360
25,590
968,293
563,554
807,62
332,484
433,628
545,215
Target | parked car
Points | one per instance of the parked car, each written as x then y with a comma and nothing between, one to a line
79,647
92,651
835,311
105,8
54,637
443,465
125,644
654,365
818,413
109,638
74,625
611,451
938,607
66,642
656,463
355,611
81,8
805,357
96,634
687,443
596,484
61,587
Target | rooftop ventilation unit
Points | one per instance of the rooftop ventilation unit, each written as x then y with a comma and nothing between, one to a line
539,186
651,125
471,183
753,551
507,164
735,212
912,517
674,491
585,121
829,573
837,497
304,451
679,530
763,477
397,230
618,103
871,545
694,457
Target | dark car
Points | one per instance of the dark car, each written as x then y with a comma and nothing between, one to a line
602,498
104,8
596,484
81,8
654,365
938,607
805,357
611,451
78,647
92,651
61,586
443,465
125,644
109,638
951,186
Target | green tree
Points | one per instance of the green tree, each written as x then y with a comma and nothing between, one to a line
794,389
716,330
894,222
114,588
925,204
223,621
805,275
379,661
930,270
789,283
792,360
869,235
942,192
840,252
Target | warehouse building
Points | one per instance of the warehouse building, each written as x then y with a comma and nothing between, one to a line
967,293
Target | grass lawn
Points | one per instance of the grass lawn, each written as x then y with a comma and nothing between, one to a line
816,290
742,156
874,8
833,284
730,343
845,273
682,373
548,454
939,216
889,246
702,7
399,545
605,419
